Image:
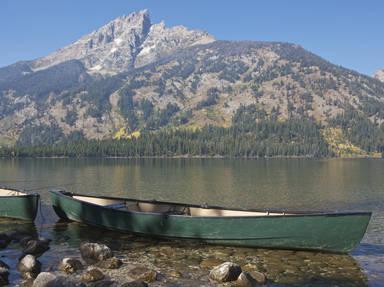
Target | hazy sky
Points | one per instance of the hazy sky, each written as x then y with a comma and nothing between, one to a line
348,33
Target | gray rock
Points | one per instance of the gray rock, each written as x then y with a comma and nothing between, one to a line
95,252
135,284
125,42
4,273
110,263
46,279
143,273
225,272
4,240
36,247
259,277
70,265
3,264
246,280
29,266
103,283
92,275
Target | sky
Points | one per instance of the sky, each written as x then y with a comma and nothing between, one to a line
347,33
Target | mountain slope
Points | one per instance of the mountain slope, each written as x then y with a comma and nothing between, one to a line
159,77
379,75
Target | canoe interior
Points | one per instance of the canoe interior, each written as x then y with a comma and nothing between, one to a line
169,208
10,192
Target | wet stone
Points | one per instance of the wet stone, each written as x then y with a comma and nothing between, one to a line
92,275
246,280
29,266
103,283
135,284
143,273
4,273
95,252
110,263
36,247
46,279
225,272
70,265
3,264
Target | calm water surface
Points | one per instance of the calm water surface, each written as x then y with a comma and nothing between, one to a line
289,184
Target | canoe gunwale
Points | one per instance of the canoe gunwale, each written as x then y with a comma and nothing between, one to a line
65,194
25,193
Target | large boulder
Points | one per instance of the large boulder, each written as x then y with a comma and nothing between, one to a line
70,265
225,272
29,266
95,252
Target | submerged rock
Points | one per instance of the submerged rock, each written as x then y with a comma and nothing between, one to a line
246,280
46,279
70,265
103,283
4,273
29,266
92,275
17,235
135,284
4,240
225,272
36,247
143,273
110,263
95,252
3,264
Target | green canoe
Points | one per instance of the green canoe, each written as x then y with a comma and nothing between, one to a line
18,204
332,232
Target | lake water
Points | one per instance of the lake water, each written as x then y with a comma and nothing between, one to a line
289,184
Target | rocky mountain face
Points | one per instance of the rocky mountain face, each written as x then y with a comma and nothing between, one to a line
131,75
379,75
124,43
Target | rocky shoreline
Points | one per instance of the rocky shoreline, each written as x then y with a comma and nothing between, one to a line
124,260
97,265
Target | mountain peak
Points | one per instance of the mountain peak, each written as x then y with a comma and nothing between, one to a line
116,46
379,75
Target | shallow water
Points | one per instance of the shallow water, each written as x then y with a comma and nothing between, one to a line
288,184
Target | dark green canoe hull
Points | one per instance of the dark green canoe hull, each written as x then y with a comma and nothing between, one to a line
335,232
20,207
